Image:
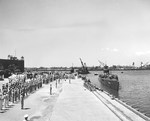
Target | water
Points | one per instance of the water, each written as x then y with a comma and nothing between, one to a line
134,88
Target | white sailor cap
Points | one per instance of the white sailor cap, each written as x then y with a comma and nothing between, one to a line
26,116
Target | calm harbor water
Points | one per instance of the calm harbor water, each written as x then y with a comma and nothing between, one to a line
134,88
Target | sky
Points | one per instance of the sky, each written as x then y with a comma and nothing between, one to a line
59,32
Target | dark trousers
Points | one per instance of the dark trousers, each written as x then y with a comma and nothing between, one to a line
50,90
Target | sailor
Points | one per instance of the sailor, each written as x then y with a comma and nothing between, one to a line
10,92
7,99
4,97
50,89
22,97
26,89
19,89
26,117
13,94
1,100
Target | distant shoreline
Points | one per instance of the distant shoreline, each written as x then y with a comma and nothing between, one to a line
123,70
88,69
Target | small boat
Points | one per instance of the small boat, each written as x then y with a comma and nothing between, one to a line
109,80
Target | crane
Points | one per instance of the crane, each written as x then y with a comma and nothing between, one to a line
84,69
145,63
83,65
101,63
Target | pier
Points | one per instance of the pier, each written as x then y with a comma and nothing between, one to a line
72,101
77,103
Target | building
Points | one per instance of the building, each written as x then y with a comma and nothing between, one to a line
9,66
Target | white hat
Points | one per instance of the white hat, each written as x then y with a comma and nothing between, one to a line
26,116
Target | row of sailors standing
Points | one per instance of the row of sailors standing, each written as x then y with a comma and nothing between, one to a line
24,85
13,91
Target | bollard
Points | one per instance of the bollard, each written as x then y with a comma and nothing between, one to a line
69,81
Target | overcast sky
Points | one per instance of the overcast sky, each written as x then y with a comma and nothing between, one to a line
59,32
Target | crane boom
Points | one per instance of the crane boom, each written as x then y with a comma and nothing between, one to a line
101,63
145,63
82,63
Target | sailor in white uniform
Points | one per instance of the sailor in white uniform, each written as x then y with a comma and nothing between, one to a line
26,117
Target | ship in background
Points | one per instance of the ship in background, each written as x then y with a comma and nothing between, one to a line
83,69
11,65
107,79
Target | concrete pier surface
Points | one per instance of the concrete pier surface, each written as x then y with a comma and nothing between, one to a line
76,103
71,101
